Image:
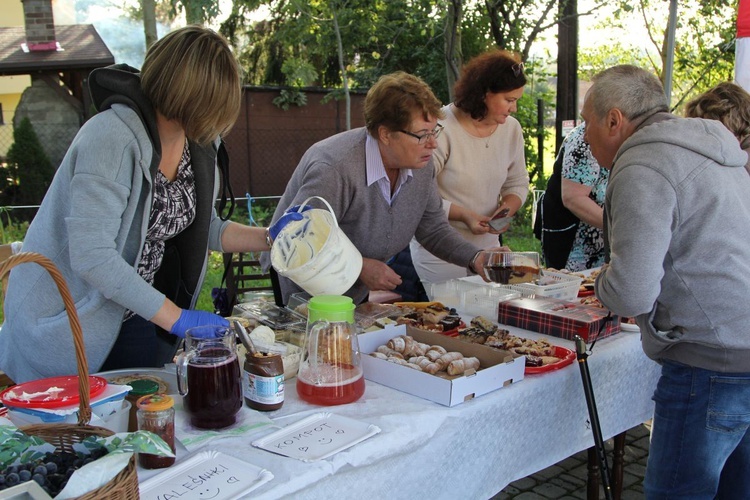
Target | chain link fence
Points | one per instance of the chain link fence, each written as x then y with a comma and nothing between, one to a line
54,138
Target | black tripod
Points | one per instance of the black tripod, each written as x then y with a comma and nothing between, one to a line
581,356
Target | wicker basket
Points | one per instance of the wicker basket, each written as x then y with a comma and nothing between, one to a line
63,436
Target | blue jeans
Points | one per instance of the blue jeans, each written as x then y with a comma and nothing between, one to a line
700,442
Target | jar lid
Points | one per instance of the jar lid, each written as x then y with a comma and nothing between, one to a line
331,308
155,402
143,386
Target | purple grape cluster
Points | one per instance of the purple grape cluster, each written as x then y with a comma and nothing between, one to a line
51,472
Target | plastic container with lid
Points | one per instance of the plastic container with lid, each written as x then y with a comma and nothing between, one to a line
140,388
270,314
552,284
156,414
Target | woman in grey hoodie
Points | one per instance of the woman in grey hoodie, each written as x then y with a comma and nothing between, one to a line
129,217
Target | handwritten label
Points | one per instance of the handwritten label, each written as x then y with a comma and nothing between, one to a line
317,437
209,476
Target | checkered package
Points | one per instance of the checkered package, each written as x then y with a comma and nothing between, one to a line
558,318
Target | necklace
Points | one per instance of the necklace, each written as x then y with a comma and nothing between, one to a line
487,137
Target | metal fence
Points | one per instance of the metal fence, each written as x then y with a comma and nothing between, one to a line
256,211
54,138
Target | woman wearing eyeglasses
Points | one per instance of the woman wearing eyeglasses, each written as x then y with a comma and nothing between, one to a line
380,183
479,160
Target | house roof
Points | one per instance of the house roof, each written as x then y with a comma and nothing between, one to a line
82,48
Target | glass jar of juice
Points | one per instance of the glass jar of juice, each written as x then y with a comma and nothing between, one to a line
156,414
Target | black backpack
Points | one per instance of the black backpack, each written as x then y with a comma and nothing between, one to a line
555,225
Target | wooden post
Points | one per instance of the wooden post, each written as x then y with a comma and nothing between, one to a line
567,67
540,139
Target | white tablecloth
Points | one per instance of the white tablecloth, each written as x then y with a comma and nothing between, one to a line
472,450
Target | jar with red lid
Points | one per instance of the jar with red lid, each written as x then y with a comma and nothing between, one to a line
156,414
263,381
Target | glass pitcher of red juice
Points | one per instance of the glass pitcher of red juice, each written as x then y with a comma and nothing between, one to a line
330,372
208,377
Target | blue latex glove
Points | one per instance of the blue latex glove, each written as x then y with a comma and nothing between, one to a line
291,213
190,318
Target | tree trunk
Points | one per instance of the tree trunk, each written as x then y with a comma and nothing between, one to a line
149,21
493,12
342,67
193,12
452,48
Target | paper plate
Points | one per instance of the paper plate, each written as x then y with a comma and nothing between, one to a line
317,437
205,475
629,327
566,357
166,378
53,392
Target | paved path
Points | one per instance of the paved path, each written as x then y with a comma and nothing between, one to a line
567,479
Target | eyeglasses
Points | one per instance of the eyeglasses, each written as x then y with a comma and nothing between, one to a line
517,69
422,139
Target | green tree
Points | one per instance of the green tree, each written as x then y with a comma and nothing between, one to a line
704,43
29,171
197,11
354,42
165,11
516,24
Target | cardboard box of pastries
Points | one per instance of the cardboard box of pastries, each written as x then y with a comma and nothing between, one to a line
497,368
558,318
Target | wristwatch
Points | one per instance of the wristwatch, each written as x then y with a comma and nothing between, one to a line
269,241
472,266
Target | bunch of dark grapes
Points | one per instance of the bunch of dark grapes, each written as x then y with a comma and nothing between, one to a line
51,472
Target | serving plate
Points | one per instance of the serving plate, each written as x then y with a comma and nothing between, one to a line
163,376
566,357
52,392
452,332
317,437
629,327
208,474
